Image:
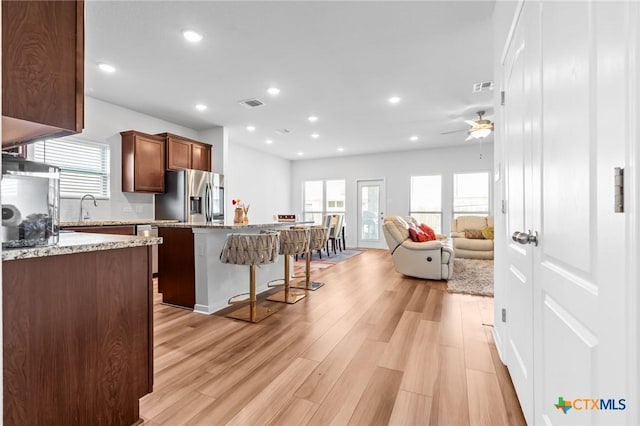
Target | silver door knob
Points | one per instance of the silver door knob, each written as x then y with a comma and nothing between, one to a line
530,237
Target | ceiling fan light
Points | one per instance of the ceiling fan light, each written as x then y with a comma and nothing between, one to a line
480,133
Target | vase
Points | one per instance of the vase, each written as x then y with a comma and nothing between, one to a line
238,216
246,215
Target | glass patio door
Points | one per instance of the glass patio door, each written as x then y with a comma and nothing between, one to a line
371,208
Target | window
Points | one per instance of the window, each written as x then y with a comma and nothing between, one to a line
313,196
335,196
323,197
471,194
84,165
426,201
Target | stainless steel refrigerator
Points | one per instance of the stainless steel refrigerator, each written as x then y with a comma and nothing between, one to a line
191,196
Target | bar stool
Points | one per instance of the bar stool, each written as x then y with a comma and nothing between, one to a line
317,239
252,250
293,242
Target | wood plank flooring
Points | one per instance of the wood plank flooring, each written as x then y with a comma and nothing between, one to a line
371,347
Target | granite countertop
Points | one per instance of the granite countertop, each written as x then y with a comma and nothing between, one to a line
232,225
79,242
116,222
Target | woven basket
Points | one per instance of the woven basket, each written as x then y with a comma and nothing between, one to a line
250,249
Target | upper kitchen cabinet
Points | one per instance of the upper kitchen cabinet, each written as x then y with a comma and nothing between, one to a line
178,152
142,162
42,70
201,157
183,153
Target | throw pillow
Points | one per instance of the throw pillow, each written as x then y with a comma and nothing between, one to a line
417,235
487,232
473,234
431,234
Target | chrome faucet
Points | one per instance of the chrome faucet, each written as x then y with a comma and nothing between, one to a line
85,216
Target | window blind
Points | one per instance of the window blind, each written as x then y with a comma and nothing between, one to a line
84,166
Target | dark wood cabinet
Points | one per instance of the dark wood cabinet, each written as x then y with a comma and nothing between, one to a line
77,337
105,229
176,267
143,162
201,157
178,153
184,153
42,70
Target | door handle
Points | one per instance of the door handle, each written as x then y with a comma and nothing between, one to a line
207,203
530,237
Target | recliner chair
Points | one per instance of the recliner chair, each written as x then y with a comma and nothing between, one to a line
432,260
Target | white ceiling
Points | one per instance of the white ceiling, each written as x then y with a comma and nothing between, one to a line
340,61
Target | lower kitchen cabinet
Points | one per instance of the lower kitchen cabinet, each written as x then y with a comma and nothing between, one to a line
176,267
77,337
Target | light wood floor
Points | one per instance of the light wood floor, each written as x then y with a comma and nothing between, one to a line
371,347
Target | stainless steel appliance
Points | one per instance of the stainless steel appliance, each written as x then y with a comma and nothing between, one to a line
191,196
30,203
150,231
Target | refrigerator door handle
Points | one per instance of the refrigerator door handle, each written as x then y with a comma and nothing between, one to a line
207,203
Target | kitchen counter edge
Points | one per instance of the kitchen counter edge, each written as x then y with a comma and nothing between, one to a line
77,242
232,226
108,222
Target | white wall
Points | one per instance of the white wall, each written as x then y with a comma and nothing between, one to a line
258,179
396,168
103,123
219,141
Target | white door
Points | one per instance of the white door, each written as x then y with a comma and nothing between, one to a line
567,114
579,265
517,73
371,208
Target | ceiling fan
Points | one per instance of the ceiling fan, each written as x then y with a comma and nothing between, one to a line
479,129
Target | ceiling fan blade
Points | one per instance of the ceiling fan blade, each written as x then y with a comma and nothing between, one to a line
471,123
454,131
469,138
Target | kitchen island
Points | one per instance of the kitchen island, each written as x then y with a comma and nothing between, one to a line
197,279
77,330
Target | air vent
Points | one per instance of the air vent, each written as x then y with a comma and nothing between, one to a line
483,87
252,103
283,131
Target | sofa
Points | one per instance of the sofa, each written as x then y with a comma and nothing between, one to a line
468,239
432,260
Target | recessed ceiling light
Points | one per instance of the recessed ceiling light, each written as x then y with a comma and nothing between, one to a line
107,68
268,141
201,107
300,153
340,149
273,91
315,135
313,118
394,99
251,128
192,36
413,138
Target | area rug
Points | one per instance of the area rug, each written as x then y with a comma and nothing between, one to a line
326,261
472,276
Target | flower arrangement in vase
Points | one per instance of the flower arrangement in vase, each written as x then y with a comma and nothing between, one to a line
240,212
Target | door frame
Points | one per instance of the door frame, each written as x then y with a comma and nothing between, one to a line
383,208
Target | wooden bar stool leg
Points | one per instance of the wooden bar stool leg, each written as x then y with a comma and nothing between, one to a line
251,312
307,284
252,292
286,295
